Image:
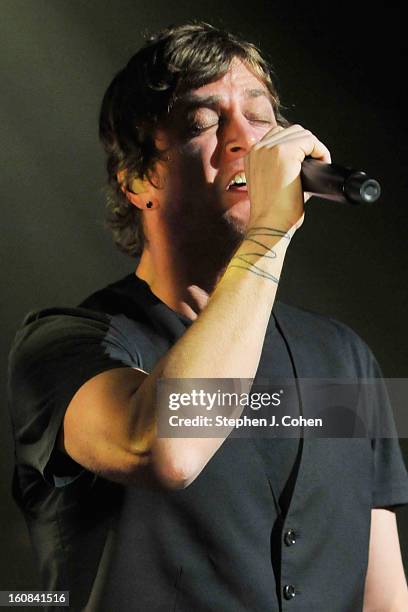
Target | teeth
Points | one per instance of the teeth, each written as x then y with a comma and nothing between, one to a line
238,179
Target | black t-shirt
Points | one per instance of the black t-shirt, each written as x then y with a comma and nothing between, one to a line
107,543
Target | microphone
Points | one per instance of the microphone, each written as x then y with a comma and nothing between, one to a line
337,183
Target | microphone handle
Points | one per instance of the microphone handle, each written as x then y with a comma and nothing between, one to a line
337,183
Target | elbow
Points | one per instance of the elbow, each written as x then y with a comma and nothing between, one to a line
175,471
145,469
172,478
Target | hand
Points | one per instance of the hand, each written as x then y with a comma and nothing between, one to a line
272,169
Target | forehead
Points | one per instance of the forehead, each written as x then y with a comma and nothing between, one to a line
238,81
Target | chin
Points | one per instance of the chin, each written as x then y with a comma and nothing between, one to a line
237,216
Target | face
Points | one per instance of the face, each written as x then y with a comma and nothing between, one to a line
211,130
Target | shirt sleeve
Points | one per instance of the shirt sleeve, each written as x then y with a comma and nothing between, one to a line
54,353
390,478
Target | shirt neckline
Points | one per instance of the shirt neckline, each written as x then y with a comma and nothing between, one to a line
154,299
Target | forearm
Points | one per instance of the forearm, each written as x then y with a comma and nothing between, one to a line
225,342
227,338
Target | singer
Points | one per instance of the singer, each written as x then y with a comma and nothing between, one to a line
205,193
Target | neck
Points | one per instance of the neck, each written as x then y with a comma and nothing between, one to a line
184,273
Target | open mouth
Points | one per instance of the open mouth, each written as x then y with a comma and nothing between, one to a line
241,187
238,182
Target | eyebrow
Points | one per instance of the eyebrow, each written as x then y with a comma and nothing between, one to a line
193,101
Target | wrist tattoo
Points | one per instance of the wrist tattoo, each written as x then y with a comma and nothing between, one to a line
246,264
268,231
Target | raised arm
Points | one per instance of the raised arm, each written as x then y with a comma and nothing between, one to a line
118,436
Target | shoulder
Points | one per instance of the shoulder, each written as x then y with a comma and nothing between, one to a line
60,337
57,324
90,319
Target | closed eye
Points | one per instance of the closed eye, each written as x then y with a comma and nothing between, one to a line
260,121
197,128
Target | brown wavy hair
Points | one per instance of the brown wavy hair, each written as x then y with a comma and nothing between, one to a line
143,93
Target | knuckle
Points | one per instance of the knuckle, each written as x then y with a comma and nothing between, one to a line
280,150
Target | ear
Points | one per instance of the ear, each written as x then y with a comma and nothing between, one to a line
137,187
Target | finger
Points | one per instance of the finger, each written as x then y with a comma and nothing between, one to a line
271,132
286,135
316,149
278,132
308,143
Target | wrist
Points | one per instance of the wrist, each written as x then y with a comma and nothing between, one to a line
283,227
262,252
265,238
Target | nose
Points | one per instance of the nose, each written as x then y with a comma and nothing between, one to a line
239,136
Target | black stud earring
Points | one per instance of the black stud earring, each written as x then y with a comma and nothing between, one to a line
149,204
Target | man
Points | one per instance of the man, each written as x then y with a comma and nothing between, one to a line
205,187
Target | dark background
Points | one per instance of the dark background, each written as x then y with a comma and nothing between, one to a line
341,74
